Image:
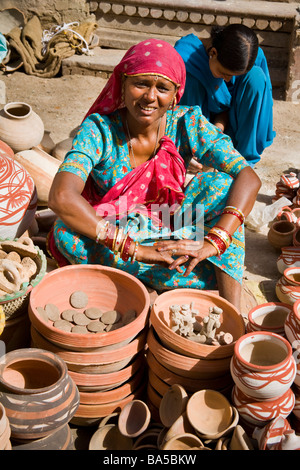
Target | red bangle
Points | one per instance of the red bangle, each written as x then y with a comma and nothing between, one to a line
217,242
110,236
236,214
125,248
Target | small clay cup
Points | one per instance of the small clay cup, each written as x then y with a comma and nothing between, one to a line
134,418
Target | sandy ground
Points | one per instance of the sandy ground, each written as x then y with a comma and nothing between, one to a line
62,102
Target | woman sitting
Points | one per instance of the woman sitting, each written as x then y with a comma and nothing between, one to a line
120,193
228,77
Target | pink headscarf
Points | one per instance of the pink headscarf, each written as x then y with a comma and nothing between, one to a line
152,56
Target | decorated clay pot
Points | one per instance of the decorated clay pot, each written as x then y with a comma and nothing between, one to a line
292,325
271,434
296,236
37,381
18,196
281,233
270,316
20,127
61,439
42,167
5,431
288,286
289,258
290,441
263,366
259,413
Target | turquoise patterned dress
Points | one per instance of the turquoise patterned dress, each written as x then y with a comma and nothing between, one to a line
100,151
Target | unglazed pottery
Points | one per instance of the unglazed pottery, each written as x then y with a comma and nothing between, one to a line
269,316
240,440
259,413
134,418
18,196
281,233
108,437
185,366
231,322
288,286
125,292
263,366
173,404
42,167
5,431
61,439
209,412
36,380
182,425
289,257
271,434
20,126
183,442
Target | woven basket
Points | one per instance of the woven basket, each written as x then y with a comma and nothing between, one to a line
17,303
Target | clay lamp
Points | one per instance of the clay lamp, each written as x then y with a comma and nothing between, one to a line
172,405
134,418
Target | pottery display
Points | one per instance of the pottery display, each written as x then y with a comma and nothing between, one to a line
42,167
36,380
259,413
281,233
20,126
231,322
269,316
61,439
18,201
290,257
263,366
271,434
184,441
134,418
288,286
173,404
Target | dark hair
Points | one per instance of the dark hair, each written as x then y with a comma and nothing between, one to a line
237,46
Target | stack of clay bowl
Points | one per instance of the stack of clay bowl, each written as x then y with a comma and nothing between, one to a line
269,316
39,398
22,266
174,359
107,365
263,369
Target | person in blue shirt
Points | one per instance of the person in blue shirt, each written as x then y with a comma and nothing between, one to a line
228,77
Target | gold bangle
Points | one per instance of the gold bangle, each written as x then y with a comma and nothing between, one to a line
102,231
135,252
118,240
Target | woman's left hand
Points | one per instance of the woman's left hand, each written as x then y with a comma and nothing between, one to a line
186,251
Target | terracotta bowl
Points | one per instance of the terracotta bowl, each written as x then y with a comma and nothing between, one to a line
184,441
232,322
269,316
191,385
159,385
106,287
108,437
173,404
210,413
134,418
196,368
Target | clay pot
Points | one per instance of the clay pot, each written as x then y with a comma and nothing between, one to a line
18,196
271,434
270,316
190,384
182,425
159,385
210,413
240,440
173,404
259,413
5,431
186,366
125,292
61,439
109,437
288,286
42,167
20,127
183,442
292,325
134,418
231,322
290,257
281,233
36,380
289,441
60,149
296,409
263,366
296,237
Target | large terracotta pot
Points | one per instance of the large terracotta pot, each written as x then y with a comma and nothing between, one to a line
259,413
281,234
292,325
18,196
269,316
231,322
61,439
290,257
263,366
288,286
37,392
42,167
106,287
20,127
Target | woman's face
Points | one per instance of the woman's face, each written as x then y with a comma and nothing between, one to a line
217,69
148,97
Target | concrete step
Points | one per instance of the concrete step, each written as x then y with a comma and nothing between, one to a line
101,62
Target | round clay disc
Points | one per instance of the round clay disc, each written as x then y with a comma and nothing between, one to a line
114,326
79,329
63,325
68,314
52,312
96,326
80,319
42,313
110,317
93,313
79,299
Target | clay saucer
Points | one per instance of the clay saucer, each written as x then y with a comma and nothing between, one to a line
134,418
209,412
108,437
180,426
173,404
184,441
